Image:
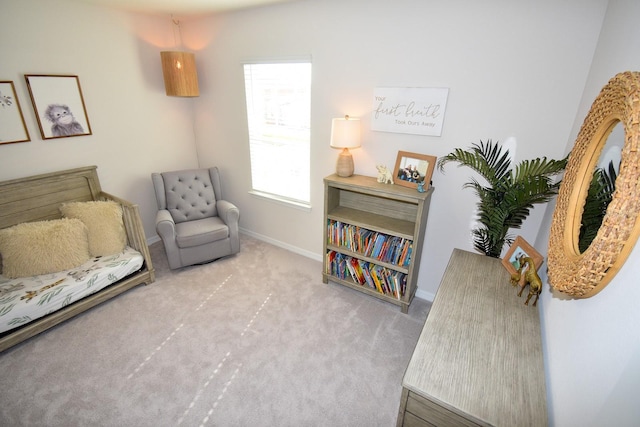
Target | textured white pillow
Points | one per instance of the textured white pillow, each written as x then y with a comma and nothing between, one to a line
43,247
104,224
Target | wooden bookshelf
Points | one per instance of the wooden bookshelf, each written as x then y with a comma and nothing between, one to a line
374,227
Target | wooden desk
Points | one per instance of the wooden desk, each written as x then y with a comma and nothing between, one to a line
478,361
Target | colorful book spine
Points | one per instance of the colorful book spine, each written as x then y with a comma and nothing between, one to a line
377,277
383,247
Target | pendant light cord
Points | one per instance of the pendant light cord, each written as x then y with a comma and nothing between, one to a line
176,23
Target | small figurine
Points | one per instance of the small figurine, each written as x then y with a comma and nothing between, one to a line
384,176
527,273
421,187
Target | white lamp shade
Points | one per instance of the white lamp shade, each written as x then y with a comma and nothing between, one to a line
345,132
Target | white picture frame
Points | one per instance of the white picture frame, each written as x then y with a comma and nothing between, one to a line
12,125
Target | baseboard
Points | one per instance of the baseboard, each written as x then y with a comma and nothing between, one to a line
283,245
427,296
153,239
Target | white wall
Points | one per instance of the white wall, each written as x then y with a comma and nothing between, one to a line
592,346
136,128
514,68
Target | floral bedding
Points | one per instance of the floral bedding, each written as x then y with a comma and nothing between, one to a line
28,298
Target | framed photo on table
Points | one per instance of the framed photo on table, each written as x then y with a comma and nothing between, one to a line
412,168
59,105
519,248
12,125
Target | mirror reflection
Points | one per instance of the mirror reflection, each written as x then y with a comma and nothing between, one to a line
603,184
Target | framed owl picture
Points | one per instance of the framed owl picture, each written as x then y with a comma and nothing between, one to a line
59,106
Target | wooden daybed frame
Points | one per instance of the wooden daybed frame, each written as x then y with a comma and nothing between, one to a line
38,198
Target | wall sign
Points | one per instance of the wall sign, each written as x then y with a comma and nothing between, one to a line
409,110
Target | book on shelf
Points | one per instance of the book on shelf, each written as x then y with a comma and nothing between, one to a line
383,247
367,275
358,270
377,277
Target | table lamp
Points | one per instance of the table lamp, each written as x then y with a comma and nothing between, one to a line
345,134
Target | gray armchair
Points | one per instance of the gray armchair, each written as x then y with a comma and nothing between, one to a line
193,221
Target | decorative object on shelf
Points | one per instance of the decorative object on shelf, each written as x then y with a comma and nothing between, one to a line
12,126
510,194
522,261
345,134
527,275
384,175
418,111
58,100
412,168
584,274
519,248
179,69
421,187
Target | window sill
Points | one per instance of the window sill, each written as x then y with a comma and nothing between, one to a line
282,200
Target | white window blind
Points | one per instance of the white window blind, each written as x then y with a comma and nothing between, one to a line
279,115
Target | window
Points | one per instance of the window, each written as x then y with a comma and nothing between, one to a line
278,110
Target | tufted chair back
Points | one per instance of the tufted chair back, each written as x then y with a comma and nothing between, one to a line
189,195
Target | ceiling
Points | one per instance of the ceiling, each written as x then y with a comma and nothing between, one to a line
181,7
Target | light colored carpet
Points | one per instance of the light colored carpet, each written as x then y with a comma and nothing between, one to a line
255,339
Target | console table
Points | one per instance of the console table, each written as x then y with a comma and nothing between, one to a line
478,361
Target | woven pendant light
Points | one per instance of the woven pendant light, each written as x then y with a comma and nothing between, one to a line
180,74
179,69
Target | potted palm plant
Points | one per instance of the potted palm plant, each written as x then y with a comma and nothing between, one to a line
509,193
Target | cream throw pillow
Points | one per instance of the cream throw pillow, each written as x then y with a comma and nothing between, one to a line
104,225
43,247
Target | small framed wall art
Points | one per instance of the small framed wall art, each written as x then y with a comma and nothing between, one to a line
12,125
59,105
413,168
520,248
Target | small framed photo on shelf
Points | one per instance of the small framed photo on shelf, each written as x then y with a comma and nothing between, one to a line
12,125
413,168
520,248
59,105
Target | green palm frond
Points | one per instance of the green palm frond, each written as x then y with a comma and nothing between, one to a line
540,167
498,161
507,200
487,160
599,195
488,243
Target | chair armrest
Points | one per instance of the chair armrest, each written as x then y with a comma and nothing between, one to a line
228,212
165,226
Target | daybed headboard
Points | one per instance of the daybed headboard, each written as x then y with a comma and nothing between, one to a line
39,197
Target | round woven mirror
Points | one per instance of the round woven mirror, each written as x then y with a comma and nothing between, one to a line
583,274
